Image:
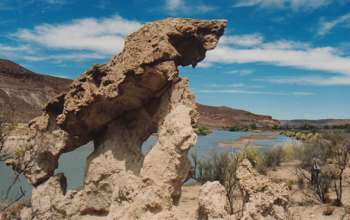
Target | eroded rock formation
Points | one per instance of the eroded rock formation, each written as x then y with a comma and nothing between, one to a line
263,199
118,105
212,202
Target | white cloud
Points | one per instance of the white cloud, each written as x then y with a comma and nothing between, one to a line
203,8
283,53
327,26
6,48
173,5
182,7
308,4
247,40
241,72
76,57
310,80
55,2
303,93
9,52
285,4
254,92
28,53
76,41
204,65
247,3
286,45
234,85
104,36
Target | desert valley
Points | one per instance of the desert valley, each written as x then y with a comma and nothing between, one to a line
141,136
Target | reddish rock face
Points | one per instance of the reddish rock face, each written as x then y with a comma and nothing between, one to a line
225,117
118,105
23,93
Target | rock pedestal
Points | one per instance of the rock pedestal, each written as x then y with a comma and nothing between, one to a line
118,105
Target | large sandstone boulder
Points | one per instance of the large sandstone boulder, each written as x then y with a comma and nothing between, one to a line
264,198
212,202
118,105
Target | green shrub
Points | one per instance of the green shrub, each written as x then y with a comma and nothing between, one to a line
252,126
235,128
255,157
319,150
325,157
273,157
203,131
290,151
276,127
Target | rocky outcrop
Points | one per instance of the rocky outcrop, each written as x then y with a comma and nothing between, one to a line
118,105
212,202
226,117
24,93
263,199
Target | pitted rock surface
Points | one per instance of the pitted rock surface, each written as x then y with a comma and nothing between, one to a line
118,105
265,199
212,202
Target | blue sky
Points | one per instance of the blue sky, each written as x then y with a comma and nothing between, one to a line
285,58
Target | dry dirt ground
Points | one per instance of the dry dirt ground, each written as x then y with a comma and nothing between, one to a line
303,204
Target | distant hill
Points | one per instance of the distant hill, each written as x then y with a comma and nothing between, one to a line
24,93
225,117
322,123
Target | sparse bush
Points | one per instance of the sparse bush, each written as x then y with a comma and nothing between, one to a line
203,131
320,150
340,159
276,127
252,155
252,126
325,158
218,167
322,185
290,151
235,128
273,157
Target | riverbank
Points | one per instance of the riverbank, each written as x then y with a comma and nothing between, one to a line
251,140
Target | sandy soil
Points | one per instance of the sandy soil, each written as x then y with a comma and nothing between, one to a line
303,204
249,140
188,204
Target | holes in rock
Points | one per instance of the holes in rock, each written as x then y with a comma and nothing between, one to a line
148,144
73,165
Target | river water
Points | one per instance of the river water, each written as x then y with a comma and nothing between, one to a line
73,164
